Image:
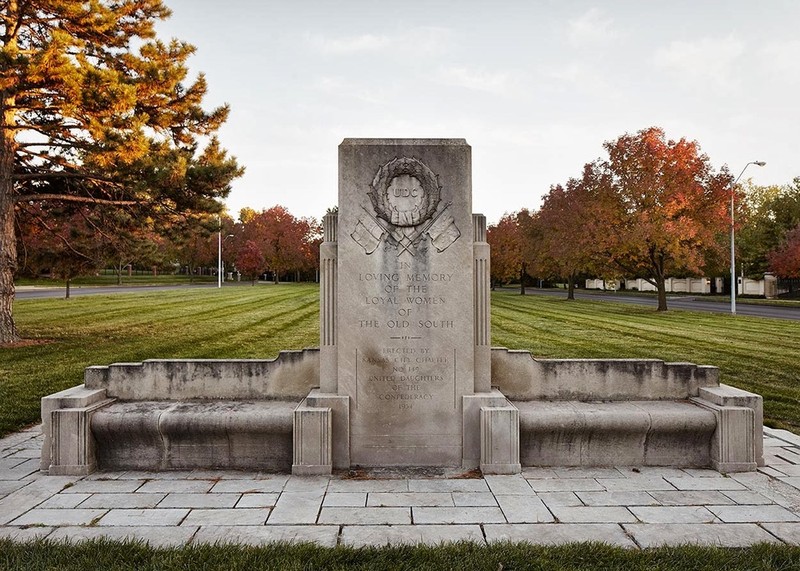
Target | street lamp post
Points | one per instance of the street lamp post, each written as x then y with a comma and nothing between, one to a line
733,248
219,252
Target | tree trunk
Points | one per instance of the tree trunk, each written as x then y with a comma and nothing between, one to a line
8,262
8,239
66,295
571,287
522,279
275,277
662,293
118,270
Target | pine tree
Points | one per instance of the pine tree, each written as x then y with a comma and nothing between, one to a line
96,110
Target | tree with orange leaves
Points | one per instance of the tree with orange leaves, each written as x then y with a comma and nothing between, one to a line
670,207
511,240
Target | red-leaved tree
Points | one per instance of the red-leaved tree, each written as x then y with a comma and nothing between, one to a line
785,259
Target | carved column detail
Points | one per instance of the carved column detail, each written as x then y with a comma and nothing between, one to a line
328,260
481,287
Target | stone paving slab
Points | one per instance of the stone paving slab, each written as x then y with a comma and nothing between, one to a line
8,486
410,499
721,484
181,500
59,517
345,499
227,516
366,516
571,485
756,514
324,535
474,499
690,498
156,536
560,498
28,497
296,508
105,487
723,535
26,533
249,486
638,484
524,509
372,486
143,517
508,485
575,472
746,497
615,514
454,485
66,501
788,532
548,534
130,501
182,485
458,515
369,535
672,514
617,498
257,500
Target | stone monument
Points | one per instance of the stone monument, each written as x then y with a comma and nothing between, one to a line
404,316
405,374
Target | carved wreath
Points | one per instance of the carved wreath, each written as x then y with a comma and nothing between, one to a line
379,193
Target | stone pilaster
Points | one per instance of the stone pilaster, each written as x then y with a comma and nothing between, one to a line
328,259
500,440
312,441
482,325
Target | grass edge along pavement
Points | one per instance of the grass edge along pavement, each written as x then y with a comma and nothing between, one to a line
110,555
758,355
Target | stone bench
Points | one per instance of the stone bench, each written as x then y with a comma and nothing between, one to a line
164,435
179,414
633,433
601,412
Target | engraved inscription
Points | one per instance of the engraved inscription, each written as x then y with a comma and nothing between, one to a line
405,376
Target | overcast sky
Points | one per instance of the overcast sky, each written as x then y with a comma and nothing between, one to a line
535,87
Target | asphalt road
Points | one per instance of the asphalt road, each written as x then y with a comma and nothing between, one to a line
679,302
37,292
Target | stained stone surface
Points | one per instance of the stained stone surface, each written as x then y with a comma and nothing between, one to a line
405,298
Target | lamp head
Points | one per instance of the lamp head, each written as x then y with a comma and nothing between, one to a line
759,163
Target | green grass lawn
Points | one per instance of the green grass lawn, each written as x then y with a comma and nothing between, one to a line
759,355
110,556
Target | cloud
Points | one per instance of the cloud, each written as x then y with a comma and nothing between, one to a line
590,28
348,45
707,61
423,40
340,87
781,59
497,82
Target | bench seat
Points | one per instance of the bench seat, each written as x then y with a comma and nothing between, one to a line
623,433
185,435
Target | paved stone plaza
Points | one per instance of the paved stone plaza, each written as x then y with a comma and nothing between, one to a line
627,506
